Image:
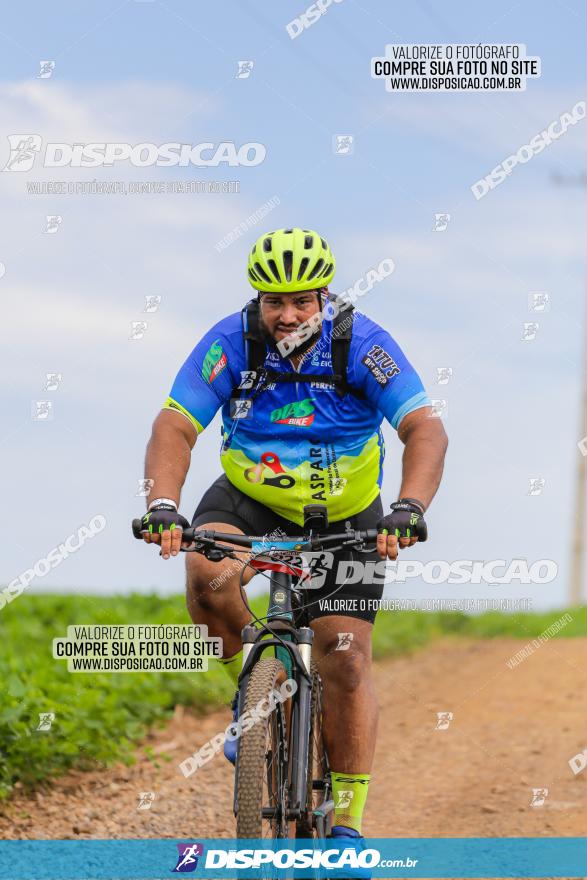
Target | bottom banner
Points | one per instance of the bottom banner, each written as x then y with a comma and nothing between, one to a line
223,858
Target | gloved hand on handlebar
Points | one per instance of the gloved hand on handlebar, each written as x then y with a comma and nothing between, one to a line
404,526
163,525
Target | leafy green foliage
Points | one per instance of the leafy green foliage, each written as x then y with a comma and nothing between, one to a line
99,717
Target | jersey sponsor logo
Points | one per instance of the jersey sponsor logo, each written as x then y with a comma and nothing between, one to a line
300,412
380,364
171,404
214,362
322,359
317,481
257,474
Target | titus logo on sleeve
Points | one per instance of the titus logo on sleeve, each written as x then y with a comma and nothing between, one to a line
381,364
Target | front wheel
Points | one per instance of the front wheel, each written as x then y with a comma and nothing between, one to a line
262,773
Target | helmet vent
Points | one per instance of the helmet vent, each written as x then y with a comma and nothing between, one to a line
287,231
266,245
308,242
316,270
253,275
324,245
262,273
287,262
272,265
303,267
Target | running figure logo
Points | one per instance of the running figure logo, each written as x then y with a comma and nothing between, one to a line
245,68
343,144
23,150
539,795
344,642
188,857
444,719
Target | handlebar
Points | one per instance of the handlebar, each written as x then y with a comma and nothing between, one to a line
205,538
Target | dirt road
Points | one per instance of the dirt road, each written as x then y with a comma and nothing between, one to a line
512,731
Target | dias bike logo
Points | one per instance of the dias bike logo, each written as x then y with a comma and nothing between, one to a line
24,149
214,362
300,412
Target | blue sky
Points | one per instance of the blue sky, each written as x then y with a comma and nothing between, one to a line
165,72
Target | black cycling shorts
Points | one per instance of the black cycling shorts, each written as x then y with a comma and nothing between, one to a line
224,503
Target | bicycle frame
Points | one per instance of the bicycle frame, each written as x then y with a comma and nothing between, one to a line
293,647
297,652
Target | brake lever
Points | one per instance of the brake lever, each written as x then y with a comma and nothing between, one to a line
216,554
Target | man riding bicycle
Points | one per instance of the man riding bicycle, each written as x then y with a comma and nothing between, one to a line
304,383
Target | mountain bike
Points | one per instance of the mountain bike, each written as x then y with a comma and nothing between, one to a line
282,780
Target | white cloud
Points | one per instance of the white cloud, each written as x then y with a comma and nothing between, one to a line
120,111
506,121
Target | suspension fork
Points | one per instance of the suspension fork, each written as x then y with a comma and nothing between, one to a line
297,662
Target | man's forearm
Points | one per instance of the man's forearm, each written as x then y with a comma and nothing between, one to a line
423,462
167,462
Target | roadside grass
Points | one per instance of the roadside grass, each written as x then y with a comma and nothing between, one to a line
100,717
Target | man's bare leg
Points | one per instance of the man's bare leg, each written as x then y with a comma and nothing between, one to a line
350,712
212,594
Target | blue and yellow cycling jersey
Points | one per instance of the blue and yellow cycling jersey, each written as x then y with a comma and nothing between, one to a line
300,443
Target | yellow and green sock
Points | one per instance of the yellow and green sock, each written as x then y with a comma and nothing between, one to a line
349,792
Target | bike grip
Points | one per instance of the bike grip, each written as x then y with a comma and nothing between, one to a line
136,528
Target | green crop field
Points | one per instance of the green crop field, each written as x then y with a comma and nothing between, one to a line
99,717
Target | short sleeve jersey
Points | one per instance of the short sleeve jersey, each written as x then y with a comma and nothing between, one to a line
299,443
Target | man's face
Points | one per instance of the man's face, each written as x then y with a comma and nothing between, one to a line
282,313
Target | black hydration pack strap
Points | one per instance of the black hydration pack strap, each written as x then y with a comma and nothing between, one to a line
256,352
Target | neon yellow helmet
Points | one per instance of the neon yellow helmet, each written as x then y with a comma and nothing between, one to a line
289,260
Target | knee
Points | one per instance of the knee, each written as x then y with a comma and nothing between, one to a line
203,587
347,670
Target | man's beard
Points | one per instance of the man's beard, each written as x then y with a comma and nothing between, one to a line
300,347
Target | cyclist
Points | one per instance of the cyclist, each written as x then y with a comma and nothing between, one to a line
302,426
